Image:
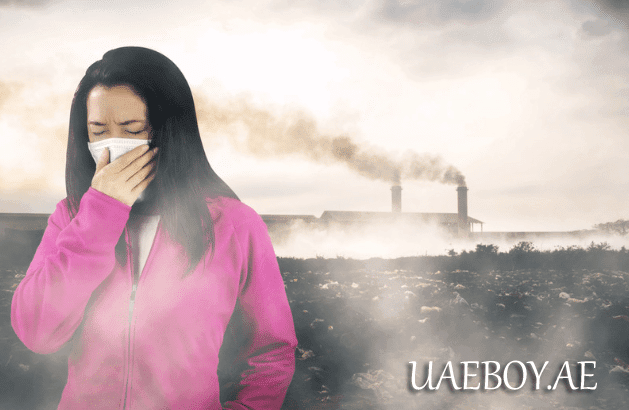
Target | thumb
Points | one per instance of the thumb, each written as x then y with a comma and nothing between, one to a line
103,160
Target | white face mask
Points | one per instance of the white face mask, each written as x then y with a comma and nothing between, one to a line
117,147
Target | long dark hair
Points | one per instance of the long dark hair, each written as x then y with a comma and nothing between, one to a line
184,179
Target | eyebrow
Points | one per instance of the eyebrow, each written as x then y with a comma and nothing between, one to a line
120,123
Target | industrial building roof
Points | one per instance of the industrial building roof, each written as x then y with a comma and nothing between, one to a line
347,216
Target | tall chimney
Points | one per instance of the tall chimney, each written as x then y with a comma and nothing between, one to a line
396,198
464,227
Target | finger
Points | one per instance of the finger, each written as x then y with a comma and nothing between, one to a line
138,163
102,160
143,184
141,174
121,163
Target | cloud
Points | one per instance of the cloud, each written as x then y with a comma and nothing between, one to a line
425,12
5,93
24,3
619,8
596,28
30,124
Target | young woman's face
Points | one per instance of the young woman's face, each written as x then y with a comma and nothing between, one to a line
116,112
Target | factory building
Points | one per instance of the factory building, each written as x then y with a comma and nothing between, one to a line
459,223
27,229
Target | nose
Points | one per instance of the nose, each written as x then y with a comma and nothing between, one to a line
116,132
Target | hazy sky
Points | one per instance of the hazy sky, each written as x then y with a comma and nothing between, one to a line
527,100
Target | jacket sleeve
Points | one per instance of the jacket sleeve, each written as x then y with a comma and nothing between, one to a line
265,323
73,258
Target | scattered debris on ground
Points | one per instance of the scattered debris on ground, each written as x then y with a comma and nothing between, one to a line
358,329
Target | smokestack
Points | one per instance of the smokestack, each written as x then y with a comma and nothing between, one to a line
464,227
396,198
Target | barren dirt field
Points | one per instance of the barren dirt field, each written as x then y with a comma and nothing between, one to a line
360,323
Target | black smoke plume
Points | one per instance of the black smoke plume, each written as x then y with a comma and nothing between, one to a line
269,135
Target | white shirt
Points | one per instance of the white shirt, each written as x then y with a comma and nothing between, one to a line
142,229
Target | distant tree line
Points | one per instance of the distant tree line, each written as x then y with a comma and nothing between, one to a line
619,227
485,257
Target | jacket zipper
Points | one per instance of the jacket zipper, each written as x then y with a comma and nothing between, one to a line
134,288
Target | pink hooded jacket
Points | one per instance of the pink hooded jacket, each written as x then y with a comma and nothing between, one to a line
157,347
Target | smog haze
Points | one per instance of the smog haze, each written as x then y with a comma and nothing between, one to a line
314,105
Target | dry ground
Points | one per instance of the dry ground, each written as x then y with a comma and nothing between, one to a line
359,328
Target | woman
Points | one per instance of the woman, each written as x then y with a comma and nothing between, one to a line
151,256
